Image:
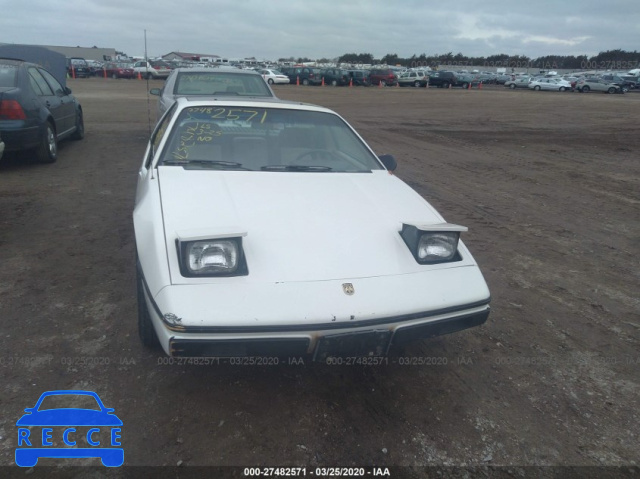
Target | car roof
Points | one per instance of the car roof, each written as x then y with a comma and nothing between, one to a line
185,101
216,70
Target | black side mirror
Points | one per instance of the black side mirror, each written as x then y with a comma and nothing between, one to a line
67,91
389,162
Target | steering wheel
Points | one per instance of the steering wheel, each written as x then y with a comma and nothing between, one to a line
317,154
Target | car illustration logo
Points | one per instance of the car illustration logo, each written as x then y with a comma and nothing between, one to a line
58,432
348,289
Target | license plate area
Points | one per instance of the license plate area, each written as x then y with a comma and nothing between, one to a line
362,344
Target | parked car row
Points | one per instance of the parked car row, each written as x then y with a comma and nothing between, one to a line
583,84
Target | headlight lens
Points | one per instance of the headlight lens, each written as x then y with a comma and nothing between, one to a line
212,257
216,257
432,244
437,246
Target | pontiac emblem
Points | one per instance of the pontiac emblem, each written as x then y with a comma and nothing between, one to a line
348,289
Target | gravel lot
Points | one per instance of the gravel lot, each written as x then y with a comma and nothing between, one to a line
549,186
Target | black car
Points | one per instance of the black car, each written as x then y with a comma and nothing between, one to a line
625,84
359,77
36,111
335,76
78,68
304,75
442,79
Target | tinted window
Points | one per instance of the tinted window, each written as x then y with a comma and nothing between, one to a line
55,85
8,75
45,89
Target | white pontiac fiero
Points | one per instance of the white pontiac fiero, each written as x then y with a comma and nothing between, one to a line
271,229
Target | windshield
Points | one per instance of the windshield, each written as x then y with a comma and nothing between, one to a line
217,83
265,139
62,401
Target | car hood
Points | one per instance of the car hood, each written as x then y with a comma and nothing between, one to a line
298,226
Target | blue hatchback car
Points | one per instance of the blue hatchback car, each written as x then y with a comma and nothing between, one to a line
30,449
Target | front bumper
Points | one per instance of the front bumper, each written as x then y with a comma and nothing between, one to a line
316,318
360,341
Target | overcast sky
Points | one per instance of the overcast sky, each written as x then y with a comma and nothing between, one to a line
271,29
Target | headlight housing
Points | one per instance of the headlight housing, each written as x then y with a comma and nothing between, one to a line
433,244
212,257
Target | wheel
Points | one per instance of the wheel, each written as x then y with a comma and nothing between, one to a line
383,83
305,82
624,89
445,85
146,332
611,90
416,84
270,81
47,152
79,133
465,85
114,76
512,86
334,82
585,89
562,88
537,88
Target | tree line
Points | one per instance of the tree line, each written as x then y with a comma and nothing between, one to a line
610,59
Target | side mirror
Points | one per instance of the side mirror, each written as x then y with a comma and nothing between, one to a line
155,91
389,162
67,91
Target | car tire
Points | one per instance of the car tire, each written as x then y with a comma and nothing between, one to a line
416,84
624,89
562,88
512,86
585,89
114,76
305,82
445,85
146,332
334,82
383,83
537,88
611,90
47,152
79,133
270,81
465,85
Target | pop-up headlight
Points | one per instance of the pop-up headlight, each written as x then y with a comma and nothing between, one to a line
211,257
432,244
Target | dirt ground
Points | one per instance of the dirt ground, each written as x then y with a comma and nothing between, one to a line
549,186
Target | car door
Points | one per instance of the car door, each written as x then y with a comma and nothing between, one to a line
67,105
48,99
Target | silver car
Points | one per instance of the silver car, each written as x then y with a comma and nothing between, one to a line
586,85
520,82
550,84
211,83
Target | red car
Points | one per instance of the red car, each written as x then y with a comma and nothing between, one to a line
118,70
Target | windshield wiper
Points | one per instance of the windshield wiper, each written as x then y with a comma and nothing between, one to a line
231,165
295,168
